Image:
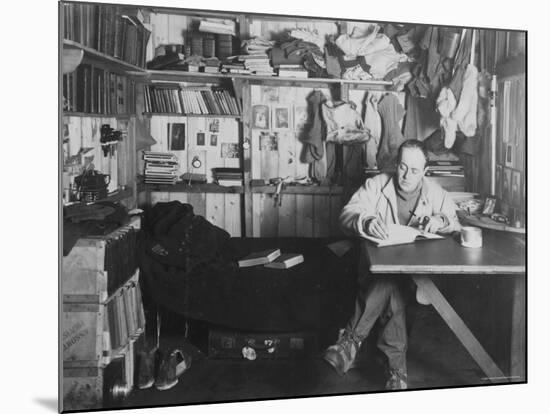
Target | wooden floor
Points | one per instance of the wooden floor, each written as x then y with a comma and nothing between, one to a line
435,359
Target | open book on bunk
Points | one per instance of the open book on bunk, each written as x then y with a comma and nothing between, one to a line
399,234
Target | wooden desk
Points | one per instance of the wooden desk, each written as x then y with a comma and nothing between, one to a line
502,253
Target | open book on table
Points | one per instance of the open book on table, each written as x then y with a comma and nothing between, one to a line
399,234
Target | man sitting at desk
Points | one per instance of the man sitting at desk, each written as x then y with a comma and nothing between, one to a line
406,198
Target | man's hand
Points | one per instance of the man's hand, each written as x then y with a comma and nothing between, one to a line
434,224
376,228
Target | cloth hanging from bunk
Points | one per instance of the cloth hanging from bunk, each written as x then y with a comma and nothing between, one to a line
391,112
314,131
344,123
421,119
373,123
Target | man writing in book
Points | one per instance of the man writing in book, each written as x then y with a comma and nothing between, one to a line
407,198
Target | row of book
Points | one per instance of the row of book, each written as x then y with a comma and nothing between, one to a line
227,176
169,98
125,319
160,167
94,90
255,64
117,31
271,258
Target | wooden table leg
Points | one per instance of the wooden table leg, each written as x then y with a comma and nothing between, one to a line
431,293
517,349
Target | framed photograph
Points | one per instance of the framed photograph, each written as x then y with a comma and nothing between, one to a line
213,140
176,137
201,139
269,141
214,125
229,150
516,189
300,117
270,94
260,117
281,117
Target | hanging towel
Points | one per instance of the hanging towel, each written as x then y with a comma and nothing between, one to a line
446,104
465,113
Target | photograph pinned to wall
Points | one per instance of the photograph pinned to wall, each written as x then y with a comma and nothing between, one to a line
213,140
510,156
200,138
498,181
300,117
269,94
516,189
260,117
506,185
229,150
176,137
214,125
269,141
281,117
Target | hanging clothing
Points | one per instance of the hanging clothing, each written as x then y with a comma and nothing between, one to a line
446,104
312,137
421,120
391,112
344,124
465,112
373,123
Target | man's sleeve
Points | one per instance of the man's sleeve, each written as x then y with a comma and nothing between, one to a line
361,207
447,211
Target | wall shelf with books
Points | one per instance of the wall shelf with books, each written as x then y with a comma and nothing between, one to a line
111,62
151,114
182,187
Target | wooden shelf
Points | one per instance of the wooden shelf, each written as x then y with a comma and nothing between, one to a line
92,115
150,114
114,63
300,189
119,195
179,76
182,187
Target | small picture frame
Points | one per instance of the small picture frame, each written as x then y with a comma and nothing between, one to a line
214,126
201,139
176,137
213,140
229,150
489,206
300,117
270,94
506,185
260,117
269,141
281,118
516,189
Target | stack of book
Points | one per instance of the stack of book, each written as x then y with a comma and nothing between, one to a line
445,168
219,26
232,65
292,71
224,45
257,64
228,177
212,65
160,167
272,258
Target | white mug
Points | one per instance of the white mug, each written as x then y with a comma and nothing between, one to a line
471,237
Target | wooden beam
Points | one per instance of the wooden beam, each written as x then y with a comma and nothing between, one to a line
462,332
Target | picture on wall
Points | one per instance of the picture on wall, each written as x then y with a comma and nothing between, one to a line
176,137
516,189
201,136
300,117
213,140
269,141
269,94
260,116
229,150
281,115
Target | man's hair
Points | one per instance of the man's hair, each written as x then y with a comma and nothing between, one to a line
413,143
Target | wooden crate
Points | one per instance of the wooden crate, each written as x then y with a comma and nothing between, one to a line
82,387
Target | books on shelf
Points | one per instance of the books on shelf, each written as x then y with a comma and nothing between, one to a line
227,177
399,234
286,261
171,98
117,31
259,258
160,167
445,168
95,90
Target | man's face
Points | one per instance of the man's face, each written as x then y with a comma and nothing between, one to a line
411,169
